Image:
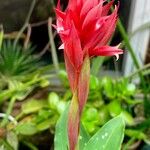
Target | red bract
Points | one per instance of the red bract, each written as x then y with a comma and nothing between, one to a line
86,25
85,28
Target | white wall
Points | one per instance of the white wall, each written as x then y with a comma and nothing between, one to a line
139,15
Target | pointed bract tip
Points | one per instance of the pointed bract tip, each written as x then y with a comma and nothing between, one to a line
61,47
58,5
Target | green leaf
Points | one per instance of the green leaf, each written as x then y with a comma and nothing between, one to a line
131,88
96,65
136,134
44,125
129,120
103,115
108,86
12,140
94,82
30,145
4,145
27,128
32,106
15,61
109,137
61,136
63,77
53,100
83,138
61,106
114,108
90,114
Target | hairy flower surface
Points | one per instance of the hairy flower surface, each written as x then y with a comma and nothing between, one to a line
85,28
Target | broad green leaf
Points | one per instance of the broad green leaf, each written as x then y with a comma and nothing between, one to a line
83,138
61,136
109,137
27,128
32,106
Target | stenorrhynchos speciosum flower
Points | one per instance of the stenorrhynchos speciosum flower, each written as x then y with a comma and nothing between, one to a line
85,28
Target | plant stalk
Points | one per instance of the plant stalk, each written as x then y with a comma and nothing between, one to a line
131,51
26,22
53,47
8,112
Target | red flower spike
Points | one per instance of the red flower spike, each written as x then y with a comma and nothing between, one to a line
96,12
72,75
78,101
106,8
73,48
85,28
83,84
106,51
88,5
73,122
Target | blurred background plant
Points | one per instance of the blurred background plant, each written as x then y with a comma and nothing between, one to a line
15,61
34,93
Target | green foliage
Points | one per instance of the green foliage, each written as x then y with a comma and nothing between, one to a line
110,134
21,86
90,119
32,106
12,139
109,137
61,136
137,134
10,143
53,100
39,114
96,65
107,99
84,137
27,128
16,60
